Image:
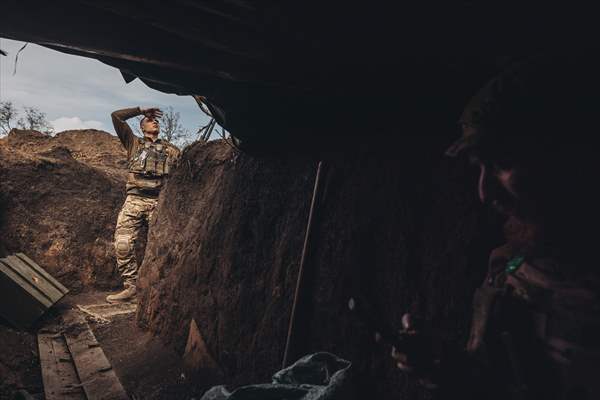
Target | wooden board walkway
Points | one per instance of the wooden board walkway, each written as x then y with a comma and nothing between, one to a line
74,367
58,370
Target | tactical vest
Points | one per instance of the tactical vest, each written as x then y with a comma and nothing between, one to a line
151,159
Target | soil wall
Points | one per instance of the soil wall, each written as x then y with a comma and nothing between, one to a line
403,230
60,197
223,249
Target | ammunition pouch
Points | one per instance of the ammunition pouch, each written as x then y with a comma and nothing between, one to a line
152,160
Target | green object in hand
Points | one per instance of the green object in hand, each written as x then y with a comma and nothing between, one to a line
514,264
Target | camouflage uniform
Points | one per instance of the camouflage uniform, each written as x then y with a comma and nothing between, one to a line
136,212
149,163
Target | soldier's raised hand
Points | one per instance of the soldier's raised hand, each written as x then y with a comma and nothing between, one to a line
153,112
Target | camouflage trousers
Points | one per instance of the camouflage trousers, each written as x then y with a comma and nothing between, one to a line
136,211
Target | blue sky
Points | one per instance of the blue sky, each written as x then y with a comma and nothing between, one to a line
78,92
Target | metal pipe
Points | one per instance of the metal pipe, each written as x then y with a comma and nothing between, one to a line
300,279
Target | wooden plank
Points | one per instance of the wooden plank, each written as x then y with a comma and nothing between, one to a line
26,290
16,305
48,364
58,371
16,278
95,371
20,277
43,273
35,279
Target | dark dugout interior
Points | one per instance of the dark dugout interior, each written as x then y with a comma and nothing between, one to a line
301,76
373,92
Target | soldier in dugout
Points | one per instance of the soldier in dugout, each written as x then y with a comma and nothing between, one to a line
535,330
150,160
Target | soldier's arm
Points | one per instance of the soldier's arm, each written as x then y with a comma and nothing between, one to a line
123,130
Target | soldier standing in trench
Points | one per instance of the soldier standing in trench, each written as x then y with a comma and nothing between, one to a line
150,160
535,330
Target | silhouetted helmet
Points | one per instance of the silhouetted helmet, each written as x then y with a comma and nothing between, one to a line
544,105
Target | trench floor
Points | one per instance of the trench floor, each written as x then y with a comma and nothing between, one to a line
146,367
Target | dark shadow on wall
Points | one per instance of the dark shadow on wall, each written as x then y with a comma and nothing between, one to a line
405,230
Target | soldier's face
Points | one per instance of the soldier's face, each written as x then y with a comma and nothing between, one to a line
150,126
499,187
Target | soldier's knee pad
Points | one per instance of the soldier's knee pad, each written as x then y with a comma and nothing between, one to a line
122,246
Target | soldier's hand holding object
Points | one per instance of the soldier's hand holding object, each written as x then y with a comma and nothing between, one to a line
417,357
402,359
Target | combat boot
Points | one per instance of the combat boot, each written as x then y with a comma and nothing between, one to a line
127,295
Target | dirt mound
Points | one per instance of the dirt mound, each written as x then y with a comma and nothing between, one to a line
59,201
224,249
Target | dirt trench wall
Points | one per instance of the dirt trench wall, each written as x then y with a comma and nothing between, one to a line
222,250
60,198
404,231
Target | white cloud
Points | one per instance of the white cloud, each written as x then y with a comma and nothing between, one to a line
66,123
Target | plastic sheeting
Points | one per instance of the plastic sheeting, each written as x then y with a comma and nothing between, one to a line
319,376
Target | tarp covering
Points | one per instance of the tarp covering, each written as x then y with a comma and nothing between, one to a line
319,376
